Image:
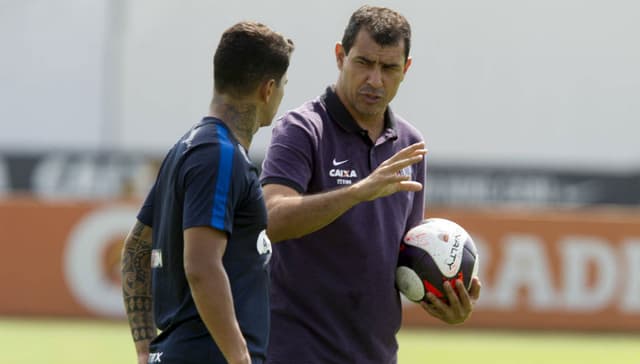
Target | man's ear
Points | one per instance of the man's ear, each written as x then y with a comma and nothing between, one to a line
266,90
407,64
340,55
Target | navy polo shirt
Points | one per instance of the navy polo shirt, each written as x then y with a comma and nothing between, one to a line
333,294
207,179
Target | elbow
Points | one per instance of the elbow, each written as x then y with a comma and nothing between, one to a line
277,235
274,227
274,235
196,272
278,229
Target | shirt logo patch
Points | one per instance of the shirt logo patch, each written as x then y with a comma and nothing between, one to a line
263,244
336,163
156,258
155,357
406,171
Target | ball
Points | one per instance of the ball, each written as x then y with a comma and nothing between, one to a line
431,253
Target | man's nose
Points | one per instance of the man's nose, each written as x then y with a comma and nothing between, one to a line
375,77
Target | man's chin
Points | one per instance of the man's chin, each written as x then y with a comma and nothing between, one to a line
265,122
370,112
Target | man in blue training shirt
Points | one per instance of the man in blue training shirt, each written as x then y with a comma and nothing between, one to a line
343,182
194,265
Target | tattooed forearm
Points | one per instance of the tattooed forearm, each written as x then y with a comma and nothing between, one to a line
139,314
136,282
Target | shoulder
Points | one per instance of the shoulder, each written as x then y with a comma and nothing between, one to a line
206,144
301,127
407,130
208,134
309,116
207,140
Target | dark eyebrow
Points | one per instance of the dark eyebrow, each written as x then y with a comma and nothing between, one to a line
365,59
392,65
370,61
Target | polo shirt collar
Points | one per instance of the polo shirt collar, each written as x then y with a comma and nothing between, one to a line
342,117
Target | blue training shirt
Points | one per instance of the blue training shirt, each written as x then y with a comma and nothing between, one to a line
207,179
333,293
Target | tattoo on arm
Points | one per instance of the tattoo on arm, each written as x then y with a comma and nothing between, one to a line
136,282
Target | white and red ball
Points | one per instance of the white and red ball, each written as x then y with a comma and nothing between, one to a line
433,252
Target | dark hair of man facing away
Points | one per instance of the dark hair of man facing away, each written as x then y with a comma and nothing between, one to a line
386,26
249,53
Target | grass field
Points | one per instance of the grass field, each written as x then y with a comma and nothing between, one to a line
98,342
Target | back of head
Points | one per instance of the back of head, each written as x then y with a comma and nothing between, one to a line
386,26
248,54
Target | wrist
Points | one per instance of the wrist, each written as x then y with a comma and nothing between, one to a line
243,358
353,193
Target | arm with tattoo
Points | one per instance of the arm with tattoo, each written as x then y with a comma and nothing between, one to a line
136,287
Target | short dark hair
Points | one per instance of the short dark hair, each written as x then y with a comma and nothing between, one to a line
248,54
387,27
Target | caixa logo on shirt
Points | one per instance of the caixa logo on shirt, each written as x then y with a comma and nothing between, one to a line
342,175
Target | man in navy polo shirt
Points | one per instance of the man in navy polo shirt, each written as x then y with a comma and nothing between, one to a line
343,182
197,259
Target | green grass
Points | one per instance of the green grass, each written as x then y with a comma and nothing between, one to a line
30,341
461,346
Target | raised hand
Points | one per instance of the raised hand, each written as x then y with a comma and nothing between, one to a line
387,179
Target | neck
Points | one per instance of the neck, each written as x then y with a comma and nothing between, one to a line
239,116
373,123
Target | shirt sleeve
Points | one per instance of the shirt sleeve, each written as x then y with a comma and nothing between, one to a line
289,158
207,179
145,215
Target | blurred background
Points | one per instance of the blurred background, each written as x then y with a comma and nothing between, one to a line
530,110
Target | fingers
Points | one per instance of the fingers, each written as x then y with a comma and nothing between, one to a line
474,290
430,308
463,298
450,292
398,162
455,305
388,178
412,147
434,307
460,304
402,159
411,186
410,152
436,303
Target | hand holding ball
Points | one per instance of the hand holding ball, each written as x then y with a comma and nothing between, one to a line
436,251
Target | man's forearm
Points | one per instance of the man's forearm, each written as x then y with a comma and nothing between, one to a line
295,216
136,285
212,295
